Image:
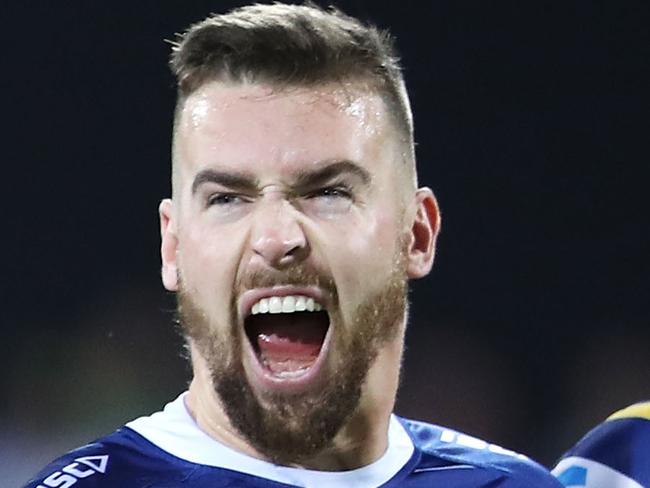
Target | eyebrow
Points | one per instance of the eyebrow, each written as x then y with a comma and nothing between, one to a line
242,181
304,178
308,178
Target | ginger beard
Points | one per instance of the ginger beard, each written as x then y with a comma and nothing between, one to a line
289,428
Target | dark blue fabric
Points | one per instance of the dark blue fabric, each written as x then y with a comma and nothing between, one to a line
622,444
133,462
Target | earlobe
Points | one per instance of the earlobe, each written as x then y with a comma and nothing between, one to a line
168,245
423,233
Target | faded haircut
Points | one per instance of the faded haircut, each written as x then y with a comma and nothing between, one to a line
292,46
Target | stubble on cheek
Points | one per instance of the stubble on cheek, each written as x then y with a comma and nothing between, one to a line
217,343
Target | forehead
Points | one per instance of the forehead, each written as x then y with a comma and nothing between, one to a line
255,124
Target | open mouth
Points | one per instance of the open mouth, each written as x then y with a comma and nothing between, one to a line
287,334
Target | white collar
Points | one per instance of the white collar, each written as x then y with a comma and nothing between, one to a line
173,430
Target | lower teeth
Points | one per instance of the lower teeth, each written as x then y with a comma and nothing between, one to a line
291,374
285,373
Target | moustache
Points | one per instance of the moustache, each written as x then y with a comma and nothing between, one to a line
294,276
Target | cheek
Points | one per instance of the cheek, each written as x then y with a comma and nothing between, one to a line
364,258
207,266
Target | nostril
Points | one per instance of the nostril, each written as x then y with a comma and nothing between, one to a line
293,251
281,253
292,255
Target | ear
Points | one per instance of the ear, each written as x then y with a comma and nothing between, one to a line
168,244
423,234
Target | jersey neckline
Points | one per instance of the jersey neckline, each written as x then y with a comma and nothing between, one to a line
174,431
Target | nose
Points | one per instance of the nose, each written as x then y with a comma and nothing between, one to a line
277,236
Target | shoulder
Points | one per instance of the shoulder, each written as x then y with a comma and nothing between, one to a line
614,453
123,459
485,464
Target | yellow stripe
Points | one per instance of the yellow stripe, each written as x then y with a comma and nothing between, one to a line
638,410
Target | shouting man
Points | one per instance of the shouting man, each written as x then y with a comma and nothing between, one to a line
294,226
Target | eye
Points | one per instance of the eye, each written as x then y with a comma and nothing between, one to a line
225,199
331,192
328,201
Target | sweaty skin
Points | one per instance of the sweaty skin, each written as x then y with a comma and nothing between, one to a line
247,203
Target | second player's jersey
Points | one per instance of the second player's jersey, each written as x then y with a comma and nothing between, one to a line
167,449
616,454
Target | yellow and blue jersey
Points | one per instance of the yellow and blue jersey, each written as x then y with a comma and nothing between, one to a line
616,454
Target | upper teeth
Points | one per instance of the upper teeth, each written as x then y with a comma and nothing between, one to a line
288,304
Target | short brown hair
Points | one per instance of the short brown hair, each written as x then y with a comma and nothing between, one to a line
291,45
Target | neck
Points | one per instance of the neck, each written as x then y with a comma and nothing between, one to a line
362,440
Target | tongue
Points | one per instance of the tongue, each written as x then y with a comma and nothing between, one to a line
289,343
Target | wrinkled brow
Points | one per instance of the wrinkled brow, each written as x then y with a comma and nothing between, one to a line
329,171
303,178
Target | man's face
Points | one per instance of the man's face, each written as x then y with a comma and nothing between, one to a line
287,244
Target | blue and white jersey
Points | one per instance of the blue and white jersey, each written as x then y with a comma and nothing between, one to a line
616,454
167,450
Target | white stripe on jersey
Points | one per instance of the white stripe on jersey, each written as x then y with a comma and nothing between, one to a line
444,468
174,431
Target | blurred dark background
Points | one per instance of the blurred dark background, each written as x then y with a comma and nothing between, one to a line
532,129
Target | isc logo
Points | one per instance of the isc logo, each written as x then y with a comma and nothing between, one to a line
81,468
